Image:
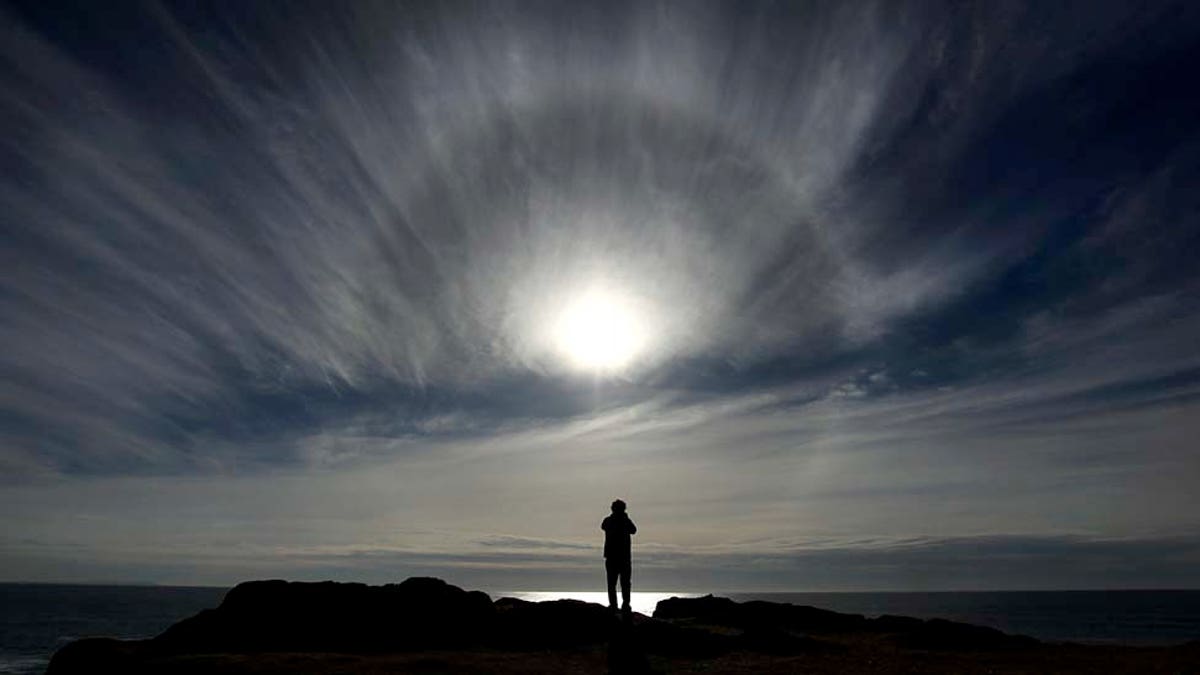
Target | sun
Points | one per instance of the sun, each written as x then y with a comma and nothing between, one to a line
600,331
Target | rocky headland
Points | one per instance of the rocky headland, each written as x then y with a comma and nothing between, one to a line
425,625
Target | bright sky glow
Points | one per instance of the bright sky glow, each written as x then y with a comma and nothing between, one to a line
600,331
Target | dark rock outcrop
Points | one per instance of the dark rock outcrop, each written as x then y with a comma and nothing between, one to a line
425,614
714,611
757,617
560,624
280,616
94,655
549,625
941,634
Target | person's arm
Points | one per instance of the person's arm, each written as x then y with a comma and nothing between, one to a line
604,524
632,527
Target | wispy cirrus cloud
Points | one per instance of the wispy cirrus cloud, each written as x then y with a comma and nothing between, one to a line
903,271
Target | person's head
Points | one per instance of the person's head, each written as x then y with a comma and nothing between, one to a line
618,506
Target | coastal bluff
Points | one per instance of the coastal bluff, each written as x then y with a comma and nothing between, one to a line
425,625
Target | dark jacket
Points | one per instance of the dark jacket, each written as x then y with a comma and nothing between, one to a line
617,529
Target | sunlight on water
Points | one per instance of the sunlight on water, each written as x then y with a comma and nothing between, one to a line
643,603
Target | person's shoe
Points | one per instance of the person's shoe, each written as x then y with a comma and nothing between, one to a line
627,609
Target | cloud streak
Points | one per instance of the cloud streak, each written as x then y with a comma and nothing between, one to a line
906,271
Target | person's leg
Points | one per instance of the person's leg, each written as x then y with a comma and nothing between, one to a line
626,570
611,571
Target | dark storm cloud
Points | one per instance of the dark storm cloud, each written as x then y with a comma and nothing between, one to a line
887,257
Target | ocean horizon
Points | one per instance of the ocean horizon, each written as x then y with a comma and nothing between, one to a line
37,619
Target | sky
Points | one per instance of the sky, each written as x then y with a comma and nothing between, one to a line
837,296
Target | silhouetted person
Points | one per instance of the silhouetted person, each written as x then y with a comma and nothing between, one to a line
618,562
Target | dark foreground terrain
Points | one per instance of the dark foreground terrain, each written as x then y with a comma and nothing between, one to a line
425,625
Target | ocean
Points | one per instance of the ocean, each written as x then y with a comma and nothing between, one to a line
36,619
